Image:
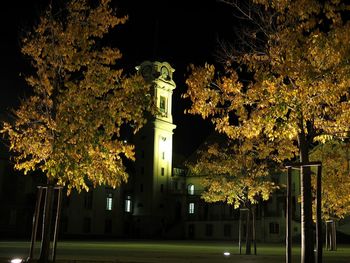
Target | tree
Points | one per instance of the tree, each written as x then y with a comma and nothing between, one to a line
297,61
70,126
334,156
238,172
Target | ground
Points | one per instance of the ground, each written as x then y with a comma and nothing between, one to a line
164,251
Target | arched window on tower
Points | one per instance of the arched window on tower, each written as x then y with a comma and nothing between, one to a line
190,189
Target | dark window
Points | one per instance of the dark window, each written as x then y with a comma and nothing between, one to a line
208,230
161,188
175,185
191,230
163,155
143,154
108,226
142,170
88,200
274,228
227,230
141,188
87,225
162,171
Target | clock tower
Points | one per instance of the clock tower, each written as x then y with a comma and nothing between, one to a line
153,166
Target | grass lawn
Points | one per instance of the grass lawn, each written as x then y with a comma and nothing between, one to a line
165,251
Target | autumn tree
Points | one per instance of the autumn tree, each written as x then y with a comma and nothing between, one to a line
70,126
334,156
295,83
238,172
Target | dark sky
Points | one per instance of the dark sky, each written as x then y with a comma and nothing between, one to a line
177,31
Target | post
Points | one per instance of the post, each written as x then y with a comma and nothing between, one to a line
35,222
289,216
334,236
248,249
327,235
45,241
318,215
58,215
254,228
240,232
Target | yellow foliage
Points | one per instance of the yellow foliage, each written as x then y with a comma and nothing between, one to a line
237,172
70,127
300,85
335,156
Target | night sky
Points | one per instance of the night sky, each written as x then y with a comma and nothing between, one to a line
177,31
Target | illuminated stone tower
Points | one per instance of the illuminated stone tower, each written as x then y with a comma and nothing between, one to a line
153,167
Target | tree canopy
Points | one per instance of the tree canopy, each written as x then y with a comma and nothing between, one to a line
237,172
287,77
334,156
70,125
299,81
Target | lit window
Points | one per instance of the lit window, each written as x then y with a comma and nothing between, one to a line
190,189
191,208
109,202
162,104
128,204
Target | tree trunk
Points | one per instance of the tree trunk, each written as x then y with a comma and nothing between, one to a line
46,225
35,223
331,243
248,247
307,246
245,214
254,228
